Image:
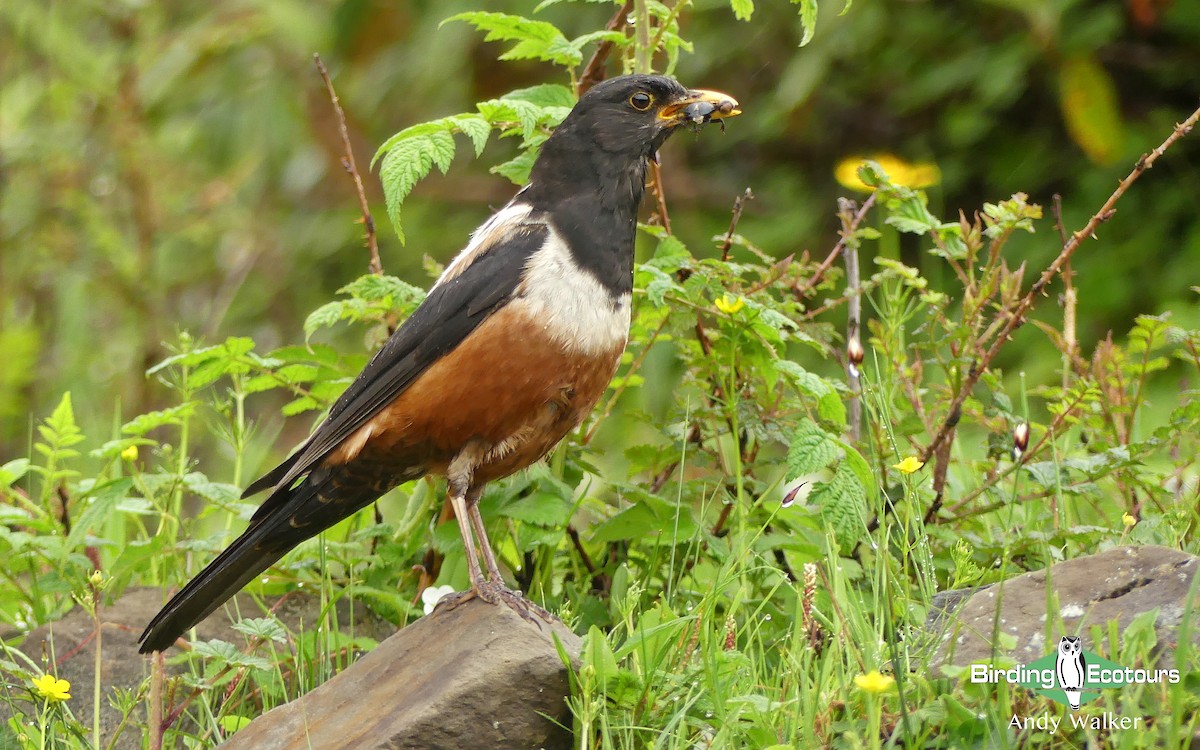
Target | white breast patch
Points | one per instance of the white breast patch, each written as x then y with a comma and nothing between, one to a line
484,237
576,310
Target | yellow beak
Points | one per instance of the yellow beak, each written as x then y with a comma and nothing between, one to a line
700,106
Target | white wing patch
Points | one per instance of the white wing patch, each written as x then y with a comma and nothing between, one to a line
484,237
576,311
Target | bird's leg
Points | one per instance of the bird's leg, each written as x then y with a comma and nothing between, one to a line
485,545
458,501
497,591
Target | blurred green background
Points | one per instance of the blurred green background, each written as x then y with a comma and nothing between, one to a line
175,166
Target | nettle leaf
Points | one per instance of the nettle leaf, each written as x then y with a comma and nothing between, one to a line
174,415
843,505
811,449
410,155
808,18
227,654
535,40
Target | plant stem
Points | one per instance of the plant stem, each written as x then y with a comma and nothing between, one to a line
643,52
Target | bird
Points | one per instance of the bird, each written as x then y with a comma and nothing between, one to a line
509,351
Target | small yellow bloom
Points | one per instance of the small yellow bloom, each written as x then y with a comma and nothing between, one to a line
873,682
729,304
130,454
1128,520
97,579
909,465
913,175
52,688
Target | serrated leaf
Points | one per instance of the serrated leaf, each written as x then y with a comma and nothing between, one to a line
541,509
266,628
808,18
545,95
742,9
535,40
226,653
517,169
144,423
843,505
411,156
811,449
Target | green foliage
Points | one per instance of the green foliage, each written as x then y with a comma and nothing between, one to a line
715,617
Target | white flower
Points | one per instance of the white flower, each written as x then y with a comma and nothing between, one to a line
432,595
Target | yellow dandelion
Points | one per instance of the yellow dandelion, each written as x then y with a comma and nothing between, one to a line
50,687
729,304
874,682
907,174
909,465
1128,520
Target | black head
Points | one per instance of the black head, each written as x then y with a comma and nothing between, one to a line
618,125
631,116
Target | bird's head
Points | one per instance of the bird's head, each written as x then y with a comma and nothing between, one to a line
629,117
619,124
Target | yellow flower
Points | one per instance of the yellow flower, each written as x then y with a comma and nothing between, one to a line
729,304
1128,520
913,175
52,688
909,465
873,682
130,454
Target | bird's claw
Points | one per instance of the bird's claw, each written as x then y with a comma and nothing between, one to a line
497,593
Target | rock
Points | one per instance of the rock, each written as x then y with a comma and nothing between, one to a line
73,639
1120,584
475,676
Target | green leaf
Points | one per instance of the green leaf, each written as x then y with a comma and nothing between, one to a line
266,628
742,9
413,153
226,654
535,40
143,423
843,505
101,502
808,18
545,95
541,509
13,470
811,449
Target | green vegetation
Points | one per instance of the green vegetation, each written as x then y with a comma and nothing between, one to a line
173,205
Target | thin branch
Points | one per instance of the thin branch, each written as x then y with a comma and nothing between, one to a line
837,249
660,197
1016,314
738,205
348,163
593,73
854,347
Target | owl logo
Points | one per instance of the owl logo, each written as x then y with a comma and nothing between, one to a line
1071,669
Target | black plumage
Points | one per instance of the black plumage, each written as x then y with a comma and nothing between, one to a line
508,352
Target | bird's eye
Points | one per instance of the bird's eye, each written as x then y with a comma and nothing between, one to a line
641,101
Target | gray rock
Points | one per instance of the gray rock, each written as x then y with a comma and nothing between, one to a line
72,643
1120,584
475,676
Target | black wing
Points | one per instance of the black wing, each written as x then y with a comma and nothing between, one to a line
448,315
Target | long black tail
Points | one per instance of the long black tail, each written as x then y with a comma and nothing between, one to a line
294,514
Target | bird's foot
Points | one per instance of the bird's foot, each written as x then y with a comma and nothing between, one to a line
497,593
450,601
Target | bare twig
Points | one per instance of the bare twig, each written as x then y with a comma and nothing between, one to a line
594,72
1070,300
854,348
348,163
837,249
738,205
660,197
1016,313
